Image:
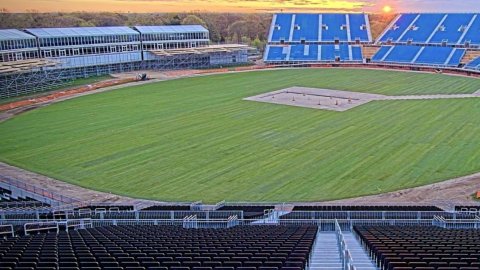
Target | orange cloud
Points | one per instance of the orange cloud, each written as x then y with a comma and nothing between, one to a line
241,6
185,5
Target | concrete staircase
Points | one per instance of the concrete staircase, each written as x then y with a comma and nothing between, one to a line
360,258
368,51
325,254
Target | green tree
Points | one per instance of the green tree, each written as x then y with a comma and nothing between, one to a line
194,20
257,43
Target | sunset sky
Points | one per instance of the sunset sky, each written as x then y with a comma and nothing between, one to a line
242,6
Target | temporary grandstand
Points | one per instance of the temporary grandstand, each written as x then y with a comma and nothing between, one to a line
233,236
56,55
433,28
300,38
437,41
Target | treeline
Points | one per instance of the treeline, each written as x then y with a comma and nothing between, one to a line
224,27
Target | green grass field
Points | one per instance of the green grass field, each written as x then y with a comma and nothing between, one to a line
196,139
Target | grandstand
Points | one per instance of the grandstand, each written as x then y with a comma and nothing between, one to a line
172,236
16,45
434,40
422,248
297,38
431,28
411,40
38,59
231,236
320,28
96,48
474,64
420,55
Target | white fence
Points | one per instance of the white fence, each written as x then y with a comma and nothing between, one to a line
457,223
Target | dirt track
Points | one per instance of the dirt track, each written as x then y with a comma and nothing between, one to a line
444,194
68,190
457,191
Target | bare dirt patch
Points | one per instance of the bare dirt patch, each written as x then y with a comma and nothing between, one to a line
444,194
65,189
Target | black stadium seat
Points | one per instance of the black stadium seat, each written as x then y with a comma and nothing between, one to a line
163,248
422,248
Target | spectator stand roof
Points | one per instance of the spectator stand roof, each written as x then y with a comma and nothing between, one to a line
170,29
81,31
14,34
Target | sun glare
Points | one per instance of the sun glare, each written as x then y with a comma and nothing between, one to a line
387,9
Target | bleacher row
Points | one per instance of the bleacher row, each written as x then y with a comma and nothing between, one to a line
420,55
434,28
422,248
433,40
316,53
162,248
242,212
474,65
314,28
104,241
7,201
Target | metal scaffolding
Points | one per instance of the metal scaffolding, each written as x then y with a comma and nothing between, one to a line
39,78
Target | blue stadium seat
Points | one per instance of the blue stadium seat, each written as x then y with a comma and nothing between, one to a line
451,29
357,53
434,55
328,52
304,52
306,27
343,51
281,28
422,28
475,64
434,28
359,27
473,33
456,58
421,55
402,54
298,27
381,53
398,27
313,53
332,28
276,53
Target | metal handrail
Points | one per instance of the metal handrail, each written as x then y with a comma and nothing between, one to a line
44,226
37,190
21,204
457,223
345,255
5,232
